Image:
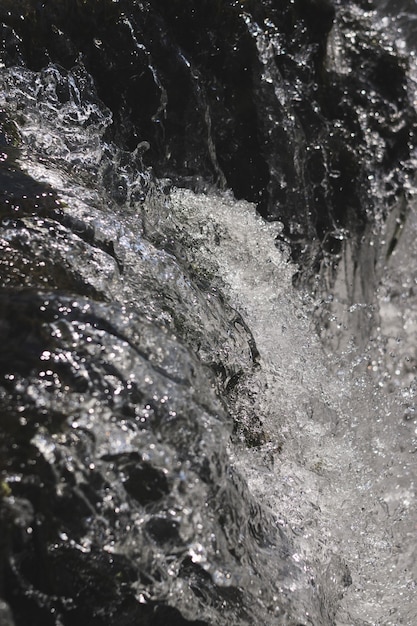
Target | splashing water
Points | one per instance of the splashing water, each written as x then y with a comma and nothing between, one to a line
227,462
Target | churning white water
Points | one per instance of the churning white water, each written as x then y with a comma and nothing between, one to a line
338,463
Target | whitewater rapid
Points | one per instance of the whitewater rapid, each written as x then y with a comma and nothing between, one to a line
337,464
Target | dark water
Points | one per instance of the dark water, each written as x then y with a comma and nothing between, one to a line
206,417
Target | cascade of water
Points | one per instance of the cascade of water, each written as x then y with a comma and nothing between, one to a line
187,437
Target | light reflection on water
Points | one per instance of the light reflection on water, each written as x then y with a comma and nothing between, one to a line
325,438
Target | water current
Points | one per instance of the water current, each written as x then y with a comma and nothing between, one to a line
207,417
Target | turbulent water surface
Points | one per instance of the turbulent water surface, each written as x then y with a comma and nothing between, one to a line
208,313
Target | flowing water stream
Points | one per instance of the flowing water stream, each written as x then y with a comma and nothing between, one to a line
207,417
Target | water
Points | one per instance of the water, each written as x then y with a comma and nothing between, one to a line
187,436
338,462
